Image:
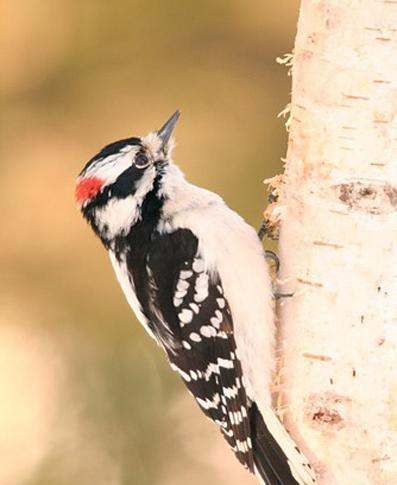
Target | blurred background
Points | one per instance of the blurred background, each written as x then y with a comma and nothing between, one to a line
85,396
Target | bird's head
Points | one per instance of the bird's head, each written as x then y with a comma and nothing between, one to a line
114,184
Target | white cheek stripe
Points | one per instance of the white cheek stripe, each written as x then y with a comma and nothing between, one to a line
118,215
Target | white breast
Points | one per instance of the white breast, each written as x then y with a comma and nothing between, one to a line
231,247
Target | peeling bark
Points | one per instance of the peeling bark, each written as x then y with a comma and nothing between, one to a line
338,242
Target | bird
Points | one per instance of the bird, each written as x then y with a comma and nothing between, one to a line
194,273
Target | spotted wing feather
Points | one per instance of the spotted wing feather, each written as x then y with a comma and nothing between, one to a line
182,296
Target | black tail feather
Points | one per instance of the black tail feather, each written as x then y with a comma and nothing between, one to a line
270,460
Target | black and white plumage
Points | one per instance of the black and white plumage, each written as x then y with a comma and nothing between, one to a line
194,273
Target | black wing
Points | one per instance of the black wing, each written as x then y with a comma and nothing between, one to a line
190,316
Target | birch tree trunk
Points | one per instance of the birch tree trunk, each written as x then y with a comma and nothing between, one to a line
338,242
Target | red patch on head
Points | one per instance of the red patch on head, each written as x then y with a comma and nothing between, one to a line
87,188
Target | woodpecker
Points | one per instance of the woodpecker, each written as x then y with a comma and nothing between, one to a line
194,273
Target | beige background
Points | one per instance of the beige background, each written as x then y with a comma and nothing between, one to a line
85,396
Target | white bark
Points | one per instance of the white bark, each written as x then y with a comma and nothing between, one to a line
338,242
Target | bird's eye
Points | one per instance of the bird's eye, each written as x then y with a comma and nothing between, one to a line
141,160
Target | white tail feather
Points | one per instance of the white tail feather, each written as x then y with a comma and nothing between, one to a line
299,464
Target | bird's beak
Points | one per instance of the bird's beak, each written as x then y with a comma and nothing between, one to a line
165,131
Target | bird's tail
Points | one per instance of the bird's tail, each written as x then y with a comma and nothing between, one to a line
277,459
